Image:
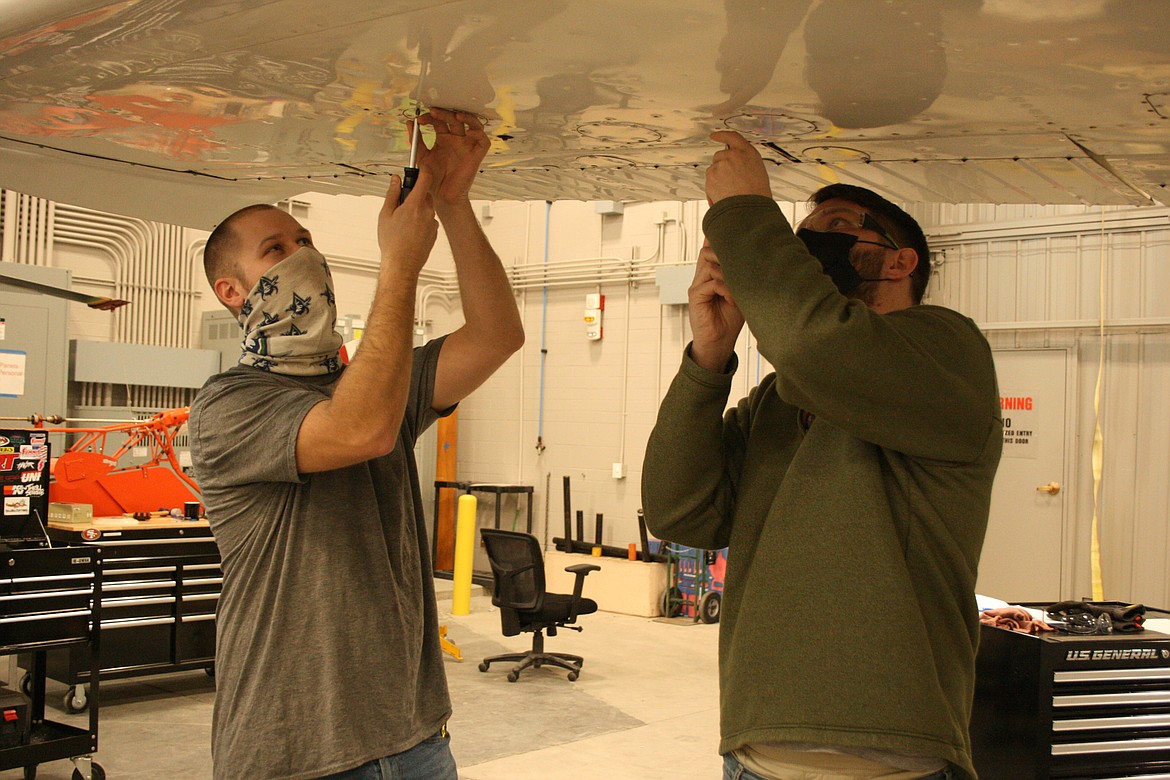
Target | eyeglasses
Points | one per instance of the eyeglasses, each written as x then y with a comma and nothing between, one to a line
1079,622
840,219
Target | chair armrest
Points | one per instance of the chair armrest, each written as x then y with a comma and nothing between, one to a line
581,570
578,568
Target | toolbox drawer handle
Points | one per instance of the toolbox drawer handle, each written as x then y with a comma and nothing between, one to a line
1121,746
107,542
47,594
135,622
47,616
138,584
115,603
16,581
1103,675
1104,699
1128,722
113,570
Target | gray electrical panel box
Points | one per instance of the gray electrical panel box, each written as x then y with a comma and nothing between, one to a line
34,350
673,282
141,364
219,330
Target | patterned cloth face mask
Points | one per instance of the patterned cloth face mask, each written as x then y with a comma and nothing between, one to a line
288,318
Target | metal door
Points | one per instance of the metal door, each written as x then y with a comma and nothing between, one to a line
1023,555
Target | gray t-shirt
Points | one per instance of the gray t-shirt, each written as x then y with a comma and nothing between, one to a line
327,653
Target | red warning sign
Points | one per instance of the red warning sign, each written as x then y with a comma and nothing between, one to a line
1019,425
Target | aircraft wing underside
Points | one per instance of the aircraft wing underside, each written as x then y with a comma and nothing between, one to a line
179,110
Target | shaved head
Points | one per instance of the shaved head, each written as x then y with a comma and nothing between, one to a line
220,253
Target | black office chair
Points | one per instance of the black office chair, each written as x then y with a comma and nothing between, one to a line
518,567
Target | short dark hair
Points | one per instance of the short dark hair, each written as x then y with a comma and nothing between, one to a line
902,227
219,252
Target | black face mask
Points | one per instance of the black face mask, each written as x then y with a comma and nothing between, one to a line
832,249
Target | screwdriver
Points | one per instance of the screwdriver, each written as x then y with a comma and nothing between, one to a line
410,172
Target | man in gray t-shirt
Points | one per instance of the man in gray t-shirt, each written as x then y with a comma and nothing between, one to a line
328,660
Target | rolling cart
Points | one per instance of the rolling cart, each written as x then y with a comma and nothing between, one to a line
690,588
48,600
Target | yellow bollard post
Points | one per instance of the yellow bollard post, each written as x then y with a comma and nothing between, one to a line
464,555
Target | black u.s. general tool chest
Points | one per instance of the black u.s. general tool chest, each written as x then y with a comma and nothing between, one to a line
1067,706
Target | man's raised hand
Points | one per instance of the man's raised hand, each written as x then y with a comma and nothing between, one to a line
737,169
460,147
407,230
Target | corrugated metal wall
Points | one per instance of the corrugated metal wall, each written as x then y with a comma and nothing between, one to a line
1097,282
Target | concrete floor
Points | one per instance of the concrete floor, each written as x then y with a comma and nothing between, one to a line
645,707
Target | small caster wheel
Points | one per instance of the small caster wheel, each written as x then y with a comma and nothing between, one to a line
75,700
513,676
573,676
26,684
483,667
95,772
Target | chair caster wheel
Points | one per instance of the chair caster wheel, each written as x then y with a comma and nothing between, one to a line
573,676
483,667
513,676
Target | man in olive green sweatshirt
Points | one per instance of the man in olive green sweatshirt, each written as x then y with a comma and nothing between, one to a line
851,486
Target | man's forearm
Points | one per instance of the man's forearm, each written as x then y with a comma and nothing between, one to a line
373,390
492,330
489,307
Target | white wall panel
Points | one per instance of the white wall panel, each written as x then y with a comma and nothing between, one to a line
1062,279
1088,295
1151,551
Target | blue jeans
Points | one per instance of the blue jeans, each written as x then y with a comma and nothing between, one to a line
430,759
733,770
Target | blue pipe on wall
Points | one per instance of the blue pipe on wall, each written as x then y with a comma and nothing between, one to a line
543,333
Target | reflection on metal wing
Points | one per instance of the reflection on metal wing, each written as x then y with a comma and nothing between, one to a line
178,110
92,301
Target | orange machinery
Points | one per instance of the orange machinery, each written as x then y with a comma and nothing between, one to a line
87,474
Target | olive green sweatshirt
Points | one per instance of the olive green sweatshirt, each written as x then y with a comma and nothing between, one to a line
848,613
